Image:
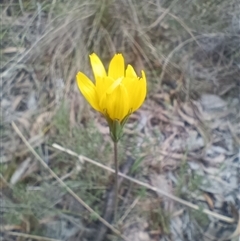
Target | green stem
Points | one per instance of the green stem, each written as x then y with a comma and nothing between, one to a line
116,181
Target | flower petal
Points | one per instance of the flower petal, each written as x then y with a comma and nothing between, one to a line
88,90
116,103
116,67
130,72
137,89
102,85
114,85
97,66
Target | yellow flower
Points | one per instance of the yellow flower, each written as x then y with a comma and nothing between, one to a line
116,93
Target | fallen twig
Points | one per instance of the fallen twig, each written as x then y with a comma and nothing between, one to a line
177,199
64,185
30,236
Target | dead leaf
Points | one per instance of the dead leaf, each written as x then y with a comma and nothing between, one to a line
10,227
161,182
188,109
16,101
33,167
215,160
19,172
32,102
167,142
40,122
208,200
24,122
212,102
11,50
178,212
188,119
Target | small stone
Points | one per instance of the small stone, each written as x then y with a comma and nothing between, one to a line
142,236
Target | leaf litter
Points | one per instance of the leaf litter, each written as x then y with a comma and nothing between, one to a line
189,147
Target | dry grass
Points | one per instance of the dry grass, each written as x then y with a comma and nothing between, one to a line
182,139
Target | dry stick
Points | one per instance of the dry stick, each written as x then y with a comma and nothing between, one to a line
30,236
129,210
64,185
168,195
116,181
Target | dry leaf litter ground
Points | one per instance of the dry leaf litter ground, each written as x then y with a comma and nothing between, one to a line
184,141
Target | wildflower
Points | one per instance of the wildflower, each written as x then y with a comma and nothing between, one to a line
116,93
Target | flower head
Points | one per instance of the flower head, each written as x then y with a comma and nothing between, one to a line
116,93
